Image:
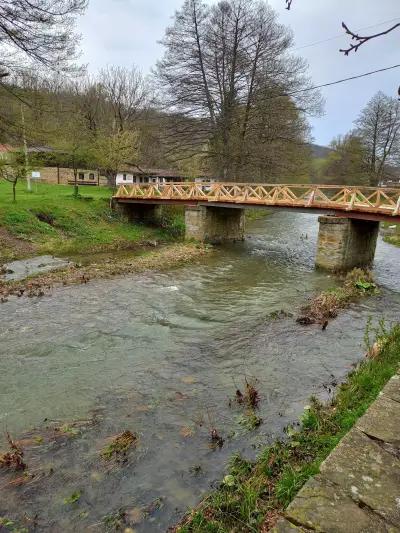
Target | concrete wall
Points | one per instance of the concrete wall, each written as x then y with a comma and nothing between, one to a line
214,224
345,243
63,175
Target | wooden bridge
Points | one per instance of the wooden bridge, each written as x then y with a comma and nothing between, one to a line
214,212
381,203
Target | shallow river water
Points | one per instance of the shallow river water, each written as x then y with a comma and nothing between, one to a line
160,355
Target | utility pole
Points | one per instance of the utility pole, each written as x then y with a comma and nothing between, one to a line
28,179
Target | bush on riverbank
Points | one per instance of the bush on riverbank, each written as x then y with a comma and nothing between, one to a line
325,306
51,221
173,220
258,492
392,239
257,213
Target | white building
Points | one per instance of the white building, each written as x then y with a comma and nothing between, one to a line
148,175
156,175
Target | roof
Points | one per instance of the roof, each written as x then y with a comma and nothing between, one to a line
158,172
6,148
40,149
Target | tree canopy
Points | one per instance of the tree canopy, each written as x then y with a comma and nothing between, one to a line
226,72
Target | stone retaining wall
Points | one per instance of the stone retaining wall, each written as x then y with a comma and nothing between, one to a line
358,487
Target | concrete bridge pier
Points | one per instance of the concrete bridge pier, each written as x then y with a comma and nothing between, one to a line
214,224
345,243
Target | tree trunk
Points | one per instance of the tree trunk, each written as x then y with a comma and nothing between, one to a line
28,179
111,179
76,187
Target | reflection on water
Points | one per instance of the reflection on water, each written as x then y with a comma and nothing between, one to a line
160,354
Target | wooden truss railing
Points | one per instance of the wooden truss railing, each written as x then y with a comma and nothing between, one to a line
382,201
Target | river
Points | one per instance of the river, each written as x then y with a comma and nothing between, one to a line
161,354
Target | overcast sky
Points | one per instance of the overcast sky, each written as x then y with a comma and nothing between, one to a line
123,32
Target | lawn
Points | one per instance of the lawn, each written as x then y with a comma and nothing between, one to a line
50,220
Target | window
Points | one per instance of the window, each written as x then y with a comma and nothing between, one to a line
124,177
91,176
81,175
146,180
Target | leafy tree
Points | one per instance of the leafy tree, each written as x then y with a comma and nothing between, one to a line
114,151
74,146
13,169
345,165
378,126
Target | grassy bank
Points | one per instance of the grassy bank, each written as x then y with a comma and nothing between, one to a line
391,233
257,213
50,221
252,495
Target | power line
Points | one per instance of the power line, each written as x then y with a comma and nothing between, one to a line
337,82
343,34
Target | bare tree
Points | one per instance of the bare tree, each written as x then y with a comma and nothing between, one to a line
89,96
127,92
379,128
219,61
38,30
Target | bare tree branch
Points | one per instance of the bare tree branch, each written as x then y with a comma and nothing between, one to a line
39,31
360,39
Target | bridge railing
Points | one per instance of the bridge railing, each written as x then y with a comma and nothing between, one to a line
364,199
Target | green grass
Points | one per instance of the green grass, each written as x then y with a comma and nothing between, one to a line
394,237
52,221
257,213
254,492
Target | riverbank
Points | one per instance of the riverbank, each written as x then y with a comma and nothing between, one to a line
391,233
257,213
357,487
162,258
252,496
51,221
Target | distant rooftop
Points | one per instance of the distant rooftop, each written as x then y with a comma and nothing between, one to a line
158,172
31,149
4,148
41,149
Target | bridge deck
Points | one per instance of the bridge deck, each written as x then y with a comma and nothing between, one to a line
361,202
